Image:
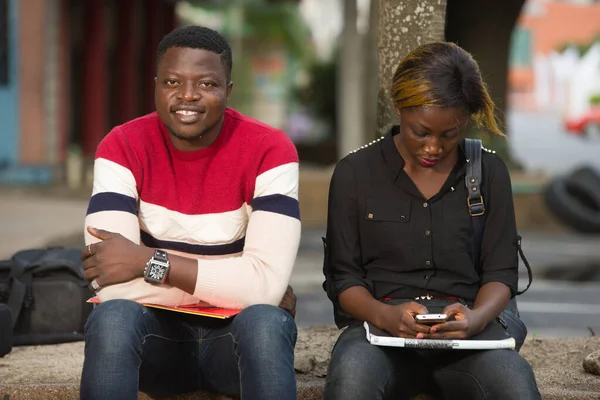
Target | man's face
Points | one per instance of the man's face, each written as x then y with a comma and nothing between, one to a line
191,94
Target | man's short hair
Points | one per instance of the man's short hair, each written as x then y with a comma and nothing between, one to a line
197,37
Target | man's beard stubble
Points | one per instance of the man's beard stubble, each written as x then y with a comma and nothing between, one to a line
195,137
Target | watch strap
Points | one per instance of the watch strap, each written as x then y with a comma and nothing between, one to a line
160,258
161,255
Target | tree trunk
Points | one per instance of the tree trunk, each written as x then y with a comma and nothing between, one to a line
403,26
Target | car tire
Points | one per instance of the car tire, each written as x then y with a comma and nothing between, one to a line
574,204
588,178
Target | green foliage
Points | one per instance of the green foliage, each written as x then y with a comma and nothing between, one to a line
319,96
582,48
274,21
279,22
251,26
595,99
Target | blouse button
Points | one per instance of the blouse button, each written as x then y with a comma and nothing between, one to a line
427,232
425,205
427,262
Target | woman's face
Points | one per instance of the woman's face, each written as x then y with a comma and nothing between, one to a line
428,135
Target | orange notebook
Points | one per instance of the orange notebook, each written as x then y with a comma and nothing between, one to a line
202,309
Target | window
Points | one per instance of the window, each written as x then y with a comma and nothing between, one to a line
520,52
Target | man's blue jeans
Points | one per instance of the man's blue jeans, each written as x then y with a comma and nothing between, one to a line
359,370
131,348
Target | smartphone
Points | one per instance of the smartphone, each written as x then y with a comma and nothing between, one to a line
431,319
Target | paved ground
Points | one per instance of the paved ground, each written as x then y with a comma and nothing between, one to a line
53,372
30,219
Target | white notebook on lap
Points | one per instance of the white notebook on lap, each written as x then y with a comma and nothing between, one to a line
378,337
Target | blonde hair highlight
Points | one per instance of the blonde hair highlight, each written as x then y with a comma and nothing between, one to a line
414,83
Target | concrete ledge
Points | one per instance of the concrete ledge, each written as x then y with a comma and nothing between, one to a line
307,390
52,372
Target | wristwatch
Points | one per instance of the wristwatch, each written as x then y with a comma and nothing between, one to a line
157,268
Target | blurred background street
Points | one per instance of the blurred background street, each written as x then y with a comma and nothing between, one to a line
71,70
540,142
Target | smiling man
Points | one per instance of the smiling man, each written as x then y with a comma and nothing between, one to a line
193,203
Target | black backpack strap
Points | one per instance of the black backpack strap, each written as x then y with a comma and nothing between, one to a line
473,180
18,290
16,300
529,273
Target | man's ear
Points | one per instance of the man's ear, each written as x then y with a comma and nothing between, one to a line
229,87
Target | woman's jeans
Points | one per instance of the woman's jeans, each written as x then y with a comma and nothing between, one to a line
131,348
359,370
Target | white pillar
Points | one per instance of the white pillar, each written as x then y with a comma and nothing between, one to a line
349,90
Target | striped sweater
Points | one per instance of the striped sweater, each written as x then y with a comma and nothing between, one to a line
233,206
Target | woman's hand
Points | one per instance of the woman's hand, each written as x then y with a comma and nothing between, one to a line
466,323
399,320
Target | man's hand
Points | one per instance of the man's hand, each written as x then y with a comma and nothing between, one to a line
115,259
288,303
466,323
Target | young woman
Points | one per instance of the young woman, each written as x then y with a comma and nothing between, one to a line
399,229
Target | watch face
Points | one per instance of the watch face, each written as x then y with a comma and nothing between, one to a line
156,272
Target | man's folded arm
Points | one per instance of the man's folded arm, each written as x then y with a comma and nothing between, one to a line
113,207
260,275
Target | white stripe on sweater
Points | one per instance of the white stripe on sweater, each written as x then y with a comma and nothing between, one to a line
204,229
113,221
279,180
112,177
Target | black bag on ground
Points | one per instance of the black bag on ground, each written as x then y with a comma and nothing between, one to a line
46,294
6,336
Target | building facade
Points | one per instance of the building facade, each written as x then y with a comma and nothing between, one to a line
74,69
544,29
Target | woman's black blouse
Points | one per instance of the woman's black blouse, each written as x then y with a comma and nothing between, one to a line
383,235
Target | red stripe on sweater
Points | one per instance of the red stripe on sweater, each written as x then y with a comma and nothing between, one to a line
217,179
